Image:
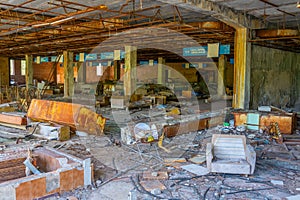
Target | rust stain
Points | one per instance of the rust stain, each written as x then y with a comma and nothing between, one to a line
74,115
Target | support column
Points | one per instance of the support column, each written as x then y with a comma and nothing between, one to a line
68,74
161,73
221,75
242,57
117,70
130,70
81,72
29,71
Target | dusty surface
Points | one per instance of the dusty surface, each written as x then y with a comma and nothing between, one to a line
120,168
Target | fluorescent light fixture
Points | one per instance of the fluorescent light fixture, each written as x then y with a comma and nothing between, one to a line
52,23
61,20
40,25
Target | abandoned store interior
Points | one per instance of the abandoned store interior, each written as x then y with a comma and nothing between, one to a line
149,99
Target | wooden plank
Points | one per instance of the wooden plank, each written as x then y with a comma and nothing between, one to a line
22,127
13,119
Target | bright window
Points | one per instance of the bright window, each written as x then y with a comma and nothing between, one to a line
12,67
23,67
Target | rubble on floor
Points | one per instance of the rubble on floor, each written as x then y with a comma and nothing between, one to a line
164,157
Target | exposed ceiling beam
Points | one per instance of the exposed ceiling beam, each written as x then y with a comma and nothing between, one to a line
225,14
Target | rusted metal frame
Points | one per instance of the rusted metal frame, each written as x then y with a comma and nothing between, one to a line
35,9
80,35
16,6
91,37
42,11
128,13
255,9
54,19
178,13
124,5
27,16
69,7
14,18
274,38
277,6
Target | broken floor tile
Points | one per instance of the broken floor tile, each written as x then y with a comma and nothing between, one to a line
196,169
277,182
198,159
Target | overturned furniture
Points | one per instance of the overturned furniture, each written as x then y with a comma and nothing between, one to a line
74,115
230,154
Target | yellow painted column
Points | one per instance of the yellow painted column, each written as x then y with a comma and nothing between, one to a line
161,73
4,71
68,74
221,73
130,70
29,71
241,66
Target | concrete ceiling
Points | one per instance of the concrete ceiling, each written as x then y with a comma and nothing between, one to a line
42,27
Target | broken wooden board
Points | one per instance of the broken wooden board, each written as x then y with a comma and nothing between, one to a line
13,119
22,127
74,115
171,160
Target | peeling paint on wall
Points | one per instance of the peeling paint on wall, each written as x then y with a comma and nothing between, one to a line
274,77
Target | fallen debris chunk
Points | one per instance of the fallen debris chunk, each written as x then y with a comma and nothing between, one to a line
171,160
198,159
152,185
196,169
277,182
160,176
56,132
156,191
74,115
295,197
